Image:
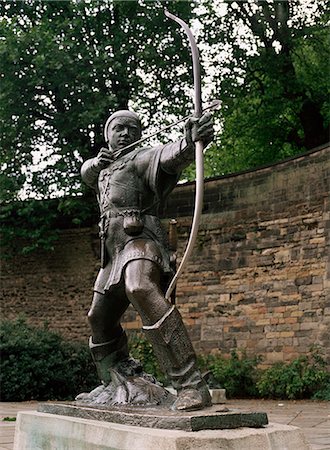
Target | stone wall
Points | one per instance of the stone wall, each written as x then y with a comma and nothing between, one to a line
258,278
53,287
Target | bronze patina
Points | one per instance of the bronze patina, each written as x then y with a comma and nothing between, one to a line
132,184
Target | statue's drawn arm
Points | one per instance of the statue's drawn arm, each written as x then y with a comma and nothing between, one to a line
89,173
92,167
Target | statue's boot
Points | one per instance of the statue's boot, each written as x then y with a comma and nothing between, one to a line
106,355
175,353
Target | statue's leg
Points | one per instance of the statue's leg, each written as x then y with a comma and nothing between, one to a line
165,329
108,343
105,314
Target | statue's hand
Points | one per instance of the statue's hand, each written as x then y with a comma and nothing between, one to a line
103,159
200,129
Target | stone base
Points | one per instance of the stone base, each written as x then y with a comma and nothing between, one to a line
42,431
212,418
218,395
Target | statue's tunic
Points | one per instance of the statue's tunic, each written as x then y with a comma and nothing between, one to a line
130,192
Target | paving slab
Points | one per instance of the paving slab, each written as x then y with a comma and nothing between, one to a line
7,428
313,417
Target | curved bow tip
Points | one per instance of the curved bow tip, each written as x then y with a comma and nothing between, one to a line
169,15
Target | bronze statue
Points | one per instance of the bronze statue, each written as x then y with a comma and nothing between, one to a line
131,185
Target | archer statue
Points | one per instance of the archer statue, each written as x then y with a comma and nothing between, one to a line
132,184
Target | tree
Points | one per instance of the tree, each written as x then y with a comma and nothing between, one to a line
65,66
272,74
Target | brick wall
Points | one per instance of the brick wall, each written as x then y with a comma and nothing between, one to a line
258,277
53,287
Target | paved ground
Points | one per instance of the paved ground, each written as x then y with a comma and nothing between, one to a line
312,417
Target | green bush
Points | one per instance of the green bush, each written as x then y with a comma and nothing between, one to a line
37,364
305,377
142,350
237,375
323,393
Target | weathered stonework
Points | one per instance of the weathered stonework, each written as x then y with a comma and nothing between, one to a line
258,278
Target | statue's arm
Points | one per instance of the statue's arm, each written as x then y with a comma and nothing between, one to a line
92,167
175,157
89,173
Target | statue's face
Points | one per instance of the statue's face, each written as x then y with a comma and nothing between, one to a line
123,131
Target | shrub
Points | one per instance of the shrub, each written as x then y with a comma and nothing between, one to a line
37,364
323,393
142,350
305,377
237,375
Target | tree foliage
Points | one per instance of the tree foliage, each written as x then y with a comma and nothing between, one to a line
65,66
272,74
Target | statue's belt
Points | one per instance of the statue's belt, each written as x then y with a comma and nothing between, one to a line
114,212
133,220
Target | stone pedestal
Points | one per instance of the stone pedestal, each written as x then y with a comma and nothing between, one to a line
215,417
218,395
44,431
